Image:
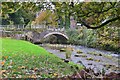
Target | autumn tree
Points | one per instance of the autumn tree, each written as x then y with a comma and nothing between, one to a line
18,12
93,15
46,17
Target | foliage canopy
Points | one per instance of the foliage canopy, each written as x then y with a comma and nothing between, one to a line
91,14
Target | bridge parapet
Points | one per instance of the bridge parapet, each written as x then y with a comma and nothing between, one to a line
35,35
56,29
19,27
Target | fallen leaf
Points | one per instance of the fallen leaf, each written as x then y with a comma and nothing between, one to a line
6,57
2,71
55,74
22,67
2,63
33,76
4,75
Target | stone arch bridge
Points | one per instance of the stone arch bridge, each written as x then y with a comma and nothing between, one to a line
38,37
32,35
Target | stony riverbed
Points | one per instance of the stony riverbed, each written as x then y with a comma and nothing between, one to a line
89,57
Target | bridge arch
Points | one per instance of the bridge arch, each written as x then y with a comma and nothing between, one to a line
56,33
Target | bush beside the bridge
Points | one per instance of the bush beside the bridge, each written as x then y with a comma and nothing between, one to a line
94,38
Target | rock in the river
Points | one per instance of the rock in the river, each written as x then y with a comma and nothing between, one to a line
79,62
97,60
66,60
62,50
100,54
112,76
90,58
77,55
107,65
84,55
89,63
79,51
115,55
108,56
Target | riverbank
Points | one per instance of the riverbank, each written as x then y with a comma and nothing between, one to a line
21,59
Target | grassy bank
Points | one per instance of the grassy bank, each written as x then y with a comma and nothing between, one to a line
21,59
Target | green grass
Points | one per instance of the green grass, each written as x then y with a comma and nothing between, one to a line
14,46
25,60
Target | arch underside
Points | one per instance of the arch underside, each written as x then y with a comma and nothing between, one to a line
56,34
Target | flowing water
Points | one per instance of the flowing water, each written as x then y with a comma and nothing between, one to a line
105,60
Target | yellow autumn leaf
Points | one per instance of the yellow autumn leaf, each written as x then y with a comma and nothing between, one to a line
55,74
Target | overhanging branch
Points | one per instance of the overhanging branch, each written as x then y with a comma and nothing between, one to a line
101,25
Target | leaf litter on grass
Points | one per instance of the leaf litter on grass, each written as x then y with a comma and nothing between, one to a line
28,60
28,65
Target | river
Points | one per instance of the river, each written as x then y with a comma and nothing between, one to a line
89,57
